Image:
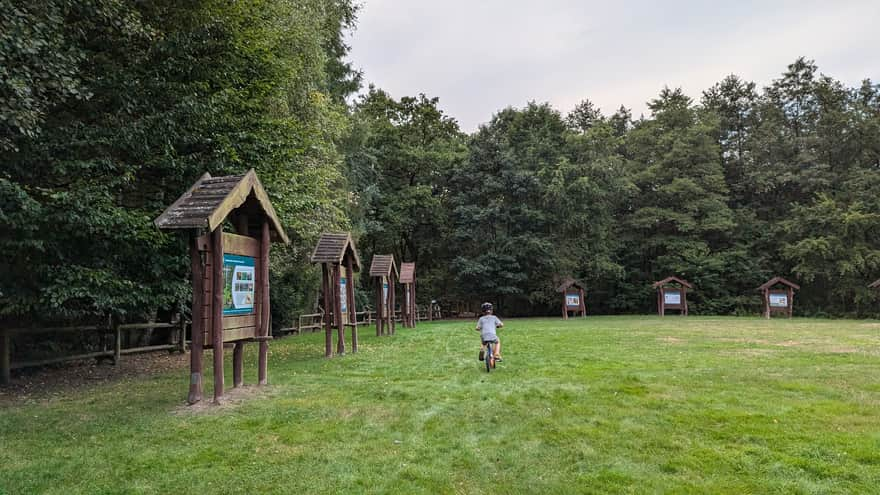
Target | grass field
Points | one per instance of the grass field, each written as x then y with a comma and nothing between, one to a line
595,405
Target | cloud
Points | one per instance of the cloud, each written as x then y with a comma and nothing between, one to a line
481,56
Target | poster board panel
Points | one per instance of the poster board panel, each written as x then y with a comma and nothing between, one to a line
672,298
778,300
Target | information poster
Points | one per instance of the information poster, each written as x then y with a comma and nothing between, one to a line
343,295
779,300
672,297
573,300
238,284
385,292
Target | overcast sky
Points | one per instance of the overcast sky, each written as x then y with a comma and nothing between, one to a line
481,56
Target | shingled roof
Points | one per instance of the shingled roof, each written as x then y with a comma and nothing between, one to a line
667,280
875,284
211,199
383,265
407,273
332,248
778,280
569,282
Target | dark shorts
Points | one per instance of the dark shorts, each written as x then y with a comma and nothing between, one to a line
490,342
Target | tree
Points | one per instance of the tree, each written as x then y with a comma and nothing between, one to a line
165,91
401,156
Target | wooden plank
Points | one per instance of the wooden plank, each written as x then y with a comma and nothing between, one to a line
217,311
76,328
77,357
5,360
148,348
199,324
340,324
352,310
237,364
146,326
239,321
237,334
265,319
328,310
241,245
117,351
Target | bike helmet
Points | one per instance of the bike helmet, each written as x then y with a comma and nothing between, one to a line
486,307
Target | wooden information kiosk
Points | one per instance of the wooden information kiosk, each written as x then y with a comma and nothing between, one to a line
408,309
230,271
339,260
384,273
778,294
672,294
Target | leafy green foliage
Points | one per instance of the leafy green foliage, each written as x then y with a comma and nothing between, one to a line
141,99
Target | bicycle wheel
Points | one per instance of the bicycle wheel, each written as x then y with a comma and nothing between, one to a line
490,357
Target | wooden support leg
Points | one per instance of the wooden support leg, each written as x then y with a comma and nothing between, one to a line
217,311
265,309
117,344
5,361
197,331
328,311
181,343
237,364
352,309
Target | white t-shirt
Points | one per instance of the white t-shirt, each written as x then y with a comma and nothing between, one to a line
487,325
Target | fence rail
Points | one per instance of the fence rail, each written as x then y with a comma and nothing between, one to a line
315,321
177,342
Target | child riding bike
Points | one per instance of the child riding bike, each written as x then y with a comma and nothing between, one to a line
487,326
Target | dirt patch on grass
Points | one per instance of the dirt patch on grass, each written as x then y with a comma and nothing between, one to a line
843,350
756,352
46,381
788,343
671,340
232,399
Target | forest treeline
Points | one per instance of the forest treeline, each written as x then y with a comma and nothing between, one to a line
109,110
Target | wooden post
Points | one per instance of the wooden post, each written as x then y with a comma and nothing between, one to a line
5,360
661,300
328,311
340,325
181,344
237,364
583,304
379,311
790,301
197,270
404,310
352,310
217,310
766,293
117,343
564,305
684,301
392,302
265,320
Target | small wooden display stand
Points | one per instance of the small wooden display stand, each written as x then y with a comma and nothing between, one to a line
230,272
409,311
384,272
672,294
573,298
339,261
778,296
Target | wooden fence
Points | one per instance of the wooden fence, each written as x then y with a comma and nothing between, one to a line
315,321
177,342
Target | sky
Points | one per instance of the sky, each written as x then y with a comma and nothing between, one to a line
481,56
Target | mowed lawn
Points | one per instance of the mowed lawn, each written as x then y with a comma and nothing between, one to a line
595,405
